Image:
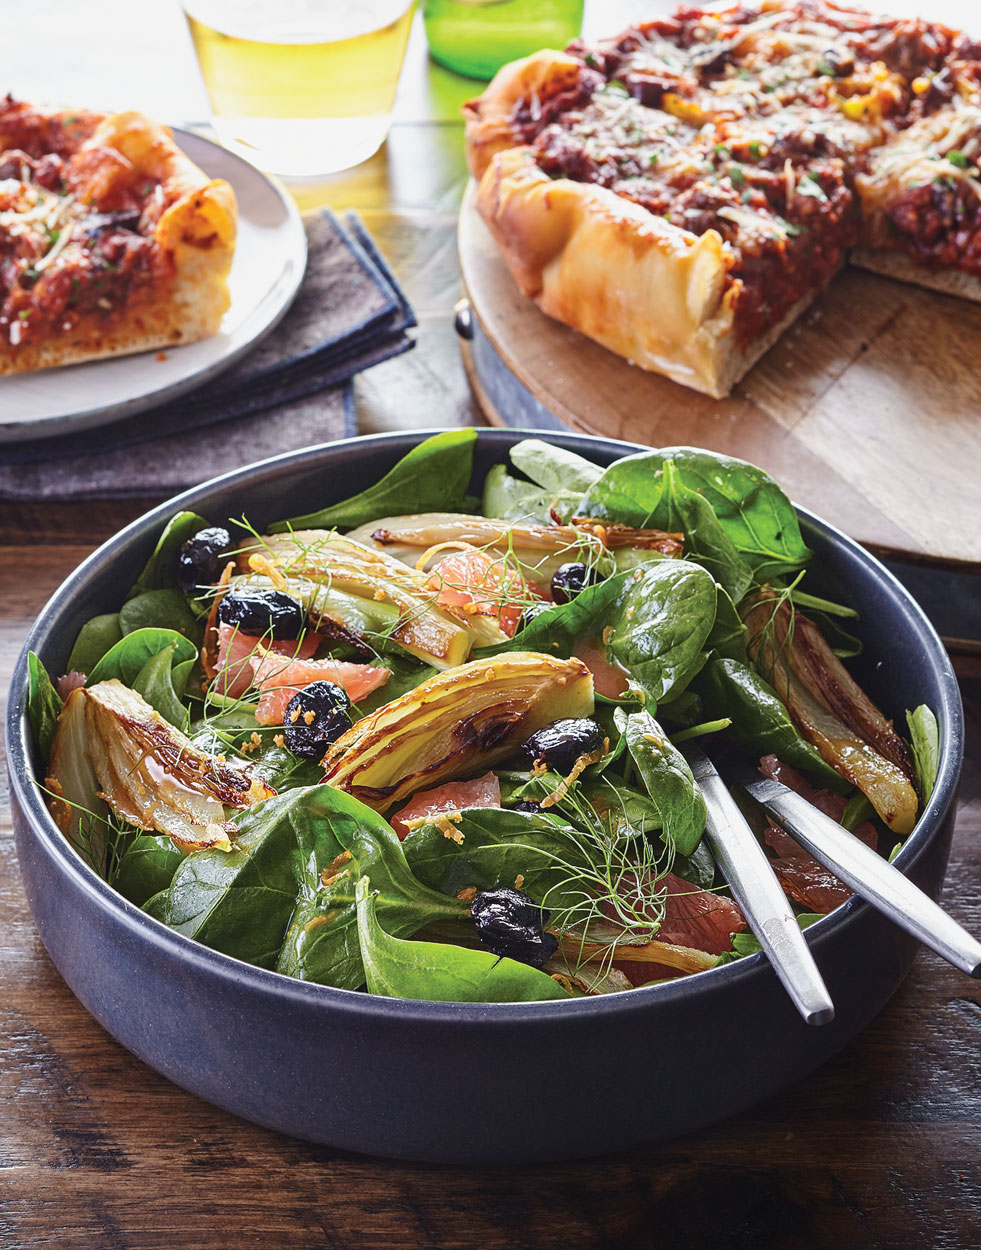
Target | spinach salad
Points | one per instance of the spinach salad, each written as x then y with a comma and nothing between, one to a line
432,745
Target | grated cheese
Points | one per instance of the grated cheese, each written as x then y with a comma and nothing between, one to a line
755,222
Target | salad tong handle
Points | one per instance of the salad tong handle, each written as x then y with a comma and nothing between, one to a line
755,888
870,876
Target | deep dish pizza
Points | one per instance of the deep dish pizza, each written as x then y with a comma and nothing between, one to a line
111,239
679,193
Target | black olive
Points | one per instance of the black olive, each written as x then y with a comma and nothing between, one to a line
841,63
199,560
527,805
711,58
262,613
560,744
315,717
529,614
570,580
511,924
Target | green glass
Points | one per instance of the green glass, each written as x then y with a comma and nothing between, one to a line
477,37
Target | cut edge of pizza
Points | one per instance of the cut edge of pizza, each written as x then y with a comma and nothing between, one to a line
177,294
590,258
926,155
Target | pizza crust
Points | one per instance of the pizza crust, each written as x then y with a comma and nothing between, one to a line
636,284
489,125
905,268
197,228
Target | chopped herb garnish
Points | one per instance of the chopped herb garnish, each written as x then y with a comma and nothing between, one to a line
755,150
958,159
721,149
824,68
743,72
809,185
736,175
591,60
616,85
24,314
652,159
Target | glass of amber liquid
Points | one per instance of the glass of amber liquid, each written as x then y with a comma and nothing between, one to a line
477,37
301,87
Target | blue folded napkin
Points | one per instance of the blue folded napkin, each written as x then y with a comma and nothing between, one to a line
293,390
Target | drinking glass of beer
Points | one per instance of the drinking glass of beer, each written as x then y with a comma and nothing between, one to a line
301,87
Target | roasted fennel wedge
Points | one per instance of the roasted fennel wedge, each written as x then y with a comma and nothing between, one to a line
459,722
831,711
351,583
112,751
537,550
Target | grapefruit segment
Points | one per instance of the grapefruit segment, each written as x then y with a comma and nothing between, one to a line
281,677
452,797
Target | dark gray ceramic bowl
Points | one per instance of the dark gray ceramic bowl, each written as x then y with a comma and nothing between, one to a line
460,1082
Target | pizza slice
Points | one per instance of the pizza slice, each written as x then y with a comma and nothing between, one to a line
111,240
921,203
681,192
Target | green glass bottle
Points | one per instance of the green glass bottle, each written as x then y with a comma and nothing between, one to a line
477,37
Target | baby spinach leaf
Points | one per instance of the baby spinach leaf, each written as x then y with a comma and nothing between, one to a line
746,943
156,662
125,660
240,901
512,499
156,683
95,638
728,636
160,571
160,609
652,621
498,848
43,704
760,722
698,867
145,867
668,780
681,508
333,831
647,490
925,737
438,972
554,468
751,508
433,477
660,624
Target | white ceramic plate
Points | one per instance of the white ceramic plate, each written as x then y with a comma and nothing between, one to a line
270,258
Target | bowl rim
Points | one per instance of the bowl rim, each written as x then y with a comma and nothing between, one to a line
25,791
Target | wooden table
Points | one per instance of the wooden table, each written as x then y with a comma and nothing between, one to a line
878,1149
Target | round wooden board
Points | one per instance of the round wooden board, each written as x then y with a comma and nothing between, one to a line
868,410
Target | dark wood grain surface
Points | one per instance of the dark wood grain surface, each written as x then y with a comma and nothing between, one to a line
879,1149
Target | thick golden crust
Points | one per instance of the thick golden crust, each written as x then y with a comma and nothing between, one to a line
194,231
489,126
605,266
